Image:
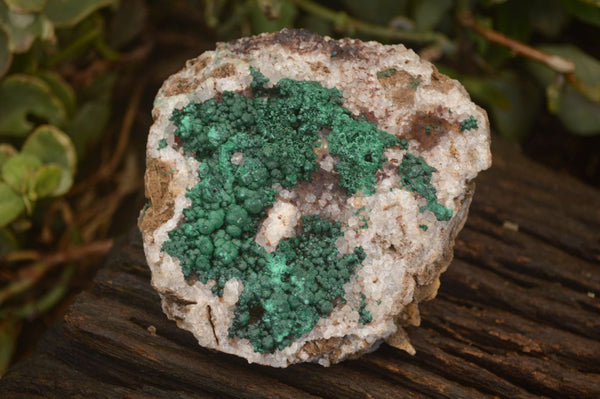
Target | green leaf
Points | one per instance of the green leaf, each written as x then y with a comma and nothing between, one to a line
579,114
8,241
47,181
585,10
23,97
513,103
547,17
5,54
512,19
127,23
52,146
6,151
19,172
69,12
429,13
93,114
61,89
23,29
24,6
11,204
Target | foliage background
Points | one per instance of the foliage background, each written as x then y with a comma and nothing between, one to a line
77,79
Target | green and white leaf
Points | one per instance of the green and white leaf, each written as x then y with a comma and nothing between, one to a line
23,96
47,181
23,28
6,151
64,13
5,54
61,89
127,22
52,146
95,105
19,172
11,204
25,6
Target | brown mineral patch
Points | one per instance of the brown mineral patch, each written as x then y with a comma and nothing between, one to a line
400,86
157,180
410,315
427,127
223,71
320,346
321,181
172,297
318,67
453,151
155,114
440,82
297,40
428,291
198,63
180,86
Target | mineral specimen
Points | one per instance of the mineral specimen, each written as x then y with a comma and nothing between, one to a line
302,204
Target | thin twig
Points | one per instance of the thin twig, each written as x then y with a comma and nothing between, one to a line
19,256
343,21
108,169
35,271
74,47
125,132
555,62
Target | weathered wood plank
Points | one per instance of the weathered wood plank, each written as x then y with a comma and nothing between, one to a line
517,316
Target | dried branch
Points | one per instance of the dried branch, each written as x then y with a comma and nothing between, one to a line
554,62
29,275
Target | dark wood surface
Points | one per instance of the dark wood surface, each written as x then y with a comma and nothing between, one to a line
517,316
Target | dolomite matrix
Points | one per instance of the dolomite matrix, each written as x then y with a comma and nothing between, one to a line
305,193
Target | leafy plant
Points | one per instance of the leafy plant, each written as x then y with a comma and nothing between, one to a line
48,121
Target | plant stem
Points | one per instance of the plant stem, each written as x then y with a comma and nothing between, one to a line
34,272
75,46
554,62
47,300
125,132
343,21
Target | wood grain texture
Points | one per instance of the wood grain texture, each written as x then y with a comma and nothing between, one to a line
517,316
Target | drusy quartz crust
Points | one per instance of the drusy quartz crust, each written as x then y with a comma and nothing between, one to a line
246,145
